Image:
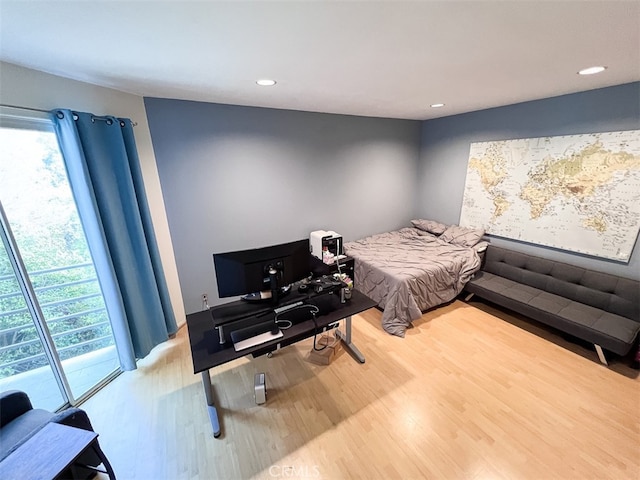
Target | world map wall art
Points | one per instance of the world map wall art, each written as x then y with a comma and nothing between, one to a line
579,193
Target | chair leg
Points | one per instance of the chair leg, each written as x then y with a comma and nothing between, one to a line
104,460
600,354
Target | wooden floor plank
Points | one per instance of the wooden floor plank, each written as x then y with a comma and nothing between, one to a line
471,392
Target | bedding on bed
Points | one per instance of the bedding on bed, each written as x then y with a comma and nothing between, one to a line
408,271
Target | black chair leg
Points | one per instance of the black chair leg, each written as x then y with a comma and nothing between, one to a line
105,461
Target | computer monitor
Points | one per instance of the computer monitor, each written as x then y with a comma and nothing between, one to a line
262,274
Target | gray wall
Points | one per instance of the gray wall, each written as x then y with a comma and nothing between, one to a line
242,177
445,151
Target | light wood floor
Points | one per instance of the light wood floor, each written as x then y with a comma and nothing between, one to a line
470,393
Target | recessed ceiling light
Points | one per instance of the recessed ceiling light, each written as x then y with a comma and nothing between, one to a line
437,105
265,82
592,70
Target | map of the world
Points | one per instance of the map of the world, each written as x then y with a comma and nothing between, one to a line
579,192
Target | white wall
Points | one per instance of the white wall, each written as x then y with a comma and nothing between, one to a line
22,87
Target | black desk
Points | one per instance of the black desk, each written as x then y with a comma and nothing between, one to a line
207,351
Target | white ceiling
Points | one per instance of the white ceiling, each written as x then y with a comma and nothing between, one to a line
383,59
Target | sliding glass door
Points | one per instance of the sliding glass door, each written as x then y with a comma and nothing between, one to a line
56,341
24,364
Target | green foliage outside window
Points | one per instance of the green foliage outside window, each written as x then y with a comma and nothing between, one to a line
44,220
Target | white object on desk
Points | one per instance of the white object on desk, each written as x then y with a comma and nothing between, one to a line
257,340
321,240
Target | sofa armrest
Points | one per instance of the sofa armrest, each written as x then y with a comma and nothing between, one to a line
73,417
78,418
13,403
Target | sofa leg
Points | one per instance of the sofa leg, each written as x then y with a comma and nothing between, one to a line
468,297
600,354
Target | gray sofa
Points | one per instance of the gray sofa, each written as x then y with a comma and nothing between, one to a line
596,307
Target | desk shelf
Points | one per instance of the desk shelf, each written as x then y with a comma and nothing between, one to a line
347,265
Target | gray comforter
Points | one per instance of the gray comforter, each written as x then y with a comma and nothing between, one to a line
408,271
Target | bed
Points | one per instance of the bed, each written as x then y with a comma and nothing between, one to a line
416,268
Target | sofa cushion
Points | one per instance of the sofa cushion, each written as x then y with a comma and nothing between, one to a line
611,331
19,430
614,326
599,290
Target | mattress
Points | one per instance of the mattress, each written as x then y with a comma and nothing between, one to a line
408,271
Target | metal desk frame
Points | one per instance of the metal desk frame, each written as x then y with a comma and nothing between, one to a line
207,351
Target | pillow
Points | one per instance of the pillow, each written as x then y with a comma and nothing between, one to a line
481,247
430,226
463,236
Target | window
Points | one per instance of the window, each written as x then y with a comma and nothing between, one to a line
56,341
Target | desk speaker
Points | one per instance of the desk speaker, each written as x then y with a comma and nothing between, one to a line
260,388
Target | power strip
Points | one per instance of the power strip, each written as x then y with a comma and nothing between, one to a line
285,308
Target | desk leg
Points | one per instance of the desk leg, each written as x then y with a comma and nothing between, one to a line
211,409
346,339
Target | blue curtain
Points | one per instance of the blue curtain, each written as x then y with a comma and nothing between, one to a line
104,172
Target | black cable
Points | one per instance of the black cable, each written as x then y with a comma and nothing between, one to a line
288,323
315,332
313,310
284,324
